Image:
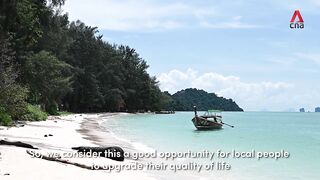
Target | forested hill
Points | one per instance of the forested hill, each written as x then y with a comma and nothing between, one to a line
184,100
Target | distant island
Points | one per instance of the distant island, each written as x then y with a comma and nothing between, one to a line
317,109
184,100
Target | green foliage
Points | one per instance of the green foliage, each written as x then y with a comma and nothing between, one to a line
34,113
12,94
27,26
106,77
56,2
7,14
13,98
186,99
64,113
5,118
167,102
48,79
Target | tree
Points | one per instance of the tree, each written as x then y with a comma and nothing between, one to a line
49,80
12,95
166,101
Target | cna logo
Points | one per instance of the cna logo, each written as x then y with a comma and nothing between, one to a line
296,24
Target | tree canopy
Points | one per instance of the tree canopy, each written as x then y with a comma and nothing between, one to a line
68,66
186,99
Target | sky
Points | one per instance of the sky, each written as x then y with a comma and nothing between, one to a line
239,49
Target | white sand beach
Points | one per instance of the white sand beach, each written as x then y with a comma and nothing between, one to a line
58,134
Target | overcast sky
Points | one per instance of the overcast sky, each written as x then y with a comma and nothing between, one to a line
239,49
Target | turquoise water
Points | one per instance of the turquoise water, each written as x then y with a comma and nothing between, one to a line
297,133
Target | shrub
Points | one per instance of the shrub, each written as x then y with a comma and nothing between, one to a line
64,113
5,118
34,113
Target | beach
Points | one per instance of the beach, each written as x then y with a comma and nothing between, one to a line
58,135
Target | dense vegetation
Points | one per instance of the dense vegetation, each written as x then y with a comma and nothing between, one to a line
48,63
184,100
60,65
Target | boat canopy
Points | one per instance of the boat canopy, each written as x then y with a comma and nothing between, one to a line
214,111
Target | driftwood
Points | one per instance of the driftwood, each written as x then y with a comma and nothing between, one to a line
68,162
17,143
114,152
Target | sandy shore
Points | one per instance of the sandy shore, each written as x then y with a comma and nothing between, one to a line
58,135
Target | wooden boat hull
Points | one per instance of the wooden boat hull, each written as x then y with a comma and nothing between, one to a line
202,123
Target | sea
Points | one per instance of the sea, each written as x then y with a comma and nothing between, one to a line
291,136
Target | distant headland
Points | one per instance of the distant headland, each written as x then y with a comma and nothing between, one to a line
184,100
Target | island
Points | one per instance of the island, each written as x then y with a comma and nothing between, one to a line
184,100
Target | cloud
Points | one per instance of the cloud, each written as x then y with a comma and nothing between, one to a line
148,15
152,15
176,80
298,62
130,15
306,6
249,95
237,18
234,23
316,2
313,57
283,61
228,25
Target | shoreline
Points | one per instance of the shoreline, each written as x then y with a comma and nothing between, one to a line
58,134
92,130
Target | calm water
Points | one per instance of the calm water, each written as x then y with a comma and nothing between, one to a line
297,133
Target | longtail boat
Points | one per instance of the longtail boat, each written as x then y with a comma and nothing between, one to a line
212,119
